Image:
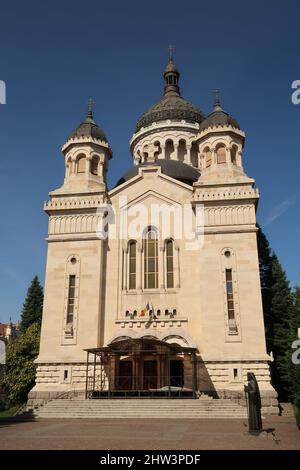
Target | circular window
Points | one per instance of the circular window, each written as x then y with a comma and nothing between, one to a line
73,260
227,254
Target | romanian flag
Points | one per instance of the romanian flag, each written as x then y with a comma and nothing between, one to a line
148,310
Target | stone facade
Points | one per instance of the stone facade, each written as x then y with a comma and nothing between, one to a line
207,297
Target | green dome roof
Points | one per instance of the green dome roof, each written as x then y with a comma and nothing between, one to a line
88,128
218,117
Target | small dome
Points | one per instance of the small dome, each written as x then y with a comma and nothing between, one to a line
218,117
88,128
173,168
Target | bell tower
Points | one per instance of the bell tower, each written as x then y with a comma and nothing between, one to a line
73,314
86,155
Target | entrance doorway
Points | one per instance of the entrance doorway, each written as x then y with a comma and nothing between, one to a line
150,375
176,373
125,375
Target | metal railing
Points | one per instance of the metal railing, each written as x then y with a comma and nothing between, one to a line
148,383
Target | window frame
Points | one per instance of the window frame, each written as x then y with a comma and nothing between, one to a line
150,259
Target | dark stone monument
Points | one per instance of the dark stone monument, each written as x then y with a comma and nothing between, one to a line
254,404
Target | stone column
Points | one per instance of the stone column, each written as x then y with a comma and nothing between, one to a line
174,155
228,155
125,268
87,166
176,266
161,270
188,154
199,160
73,166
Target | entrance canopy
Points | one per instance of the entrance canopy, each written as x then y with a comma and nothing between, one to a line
143,366
127,345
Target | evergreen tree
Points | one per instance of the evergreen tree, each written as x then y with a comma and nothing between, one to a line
280,313
33,305
278,309
19,374
266,281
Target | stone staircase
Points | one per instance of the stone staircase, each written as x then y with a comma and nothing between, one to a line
203,408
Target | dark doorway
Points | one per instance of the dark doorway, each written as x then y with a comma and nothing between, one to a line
176,373
125,375
150,375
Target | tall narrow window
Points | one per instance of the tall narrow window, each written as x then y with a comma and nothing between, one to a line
151,260
94,165
221,154
71,299
230,302
132,265
170,264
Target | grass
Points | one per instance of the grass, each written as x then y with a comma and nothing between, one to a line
9,412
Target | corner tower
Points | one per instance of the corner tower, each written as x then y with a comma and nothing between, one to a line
73,314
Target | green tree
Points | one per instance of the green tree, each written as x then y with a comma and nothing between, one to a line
19,373
278,309
281,316
266,281
33,305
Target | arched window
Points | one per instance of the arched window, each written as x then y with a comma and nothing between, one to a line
221,154
81,164
233,152
170,264
94,165
132,265
169,150
151,260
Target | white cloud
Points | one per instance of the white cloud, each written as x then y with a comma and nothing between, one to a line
281,208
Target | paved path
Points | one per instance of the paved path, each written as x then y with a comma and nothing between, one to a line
281,433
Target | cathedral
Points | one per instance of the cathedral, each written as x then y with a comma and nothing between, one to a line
152,288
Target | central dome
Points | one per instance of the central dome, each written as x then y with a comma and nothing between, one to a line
172,106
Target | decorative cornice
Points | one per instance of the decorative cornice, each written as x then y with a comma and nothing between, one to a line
74,203
86,140
225,193
159,126
220,129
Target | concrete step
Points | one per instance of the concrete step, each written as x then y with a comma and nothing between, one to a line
119,408
139,414
203,408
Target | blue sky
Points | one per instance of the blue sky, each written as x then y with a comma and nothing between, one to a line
54,55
